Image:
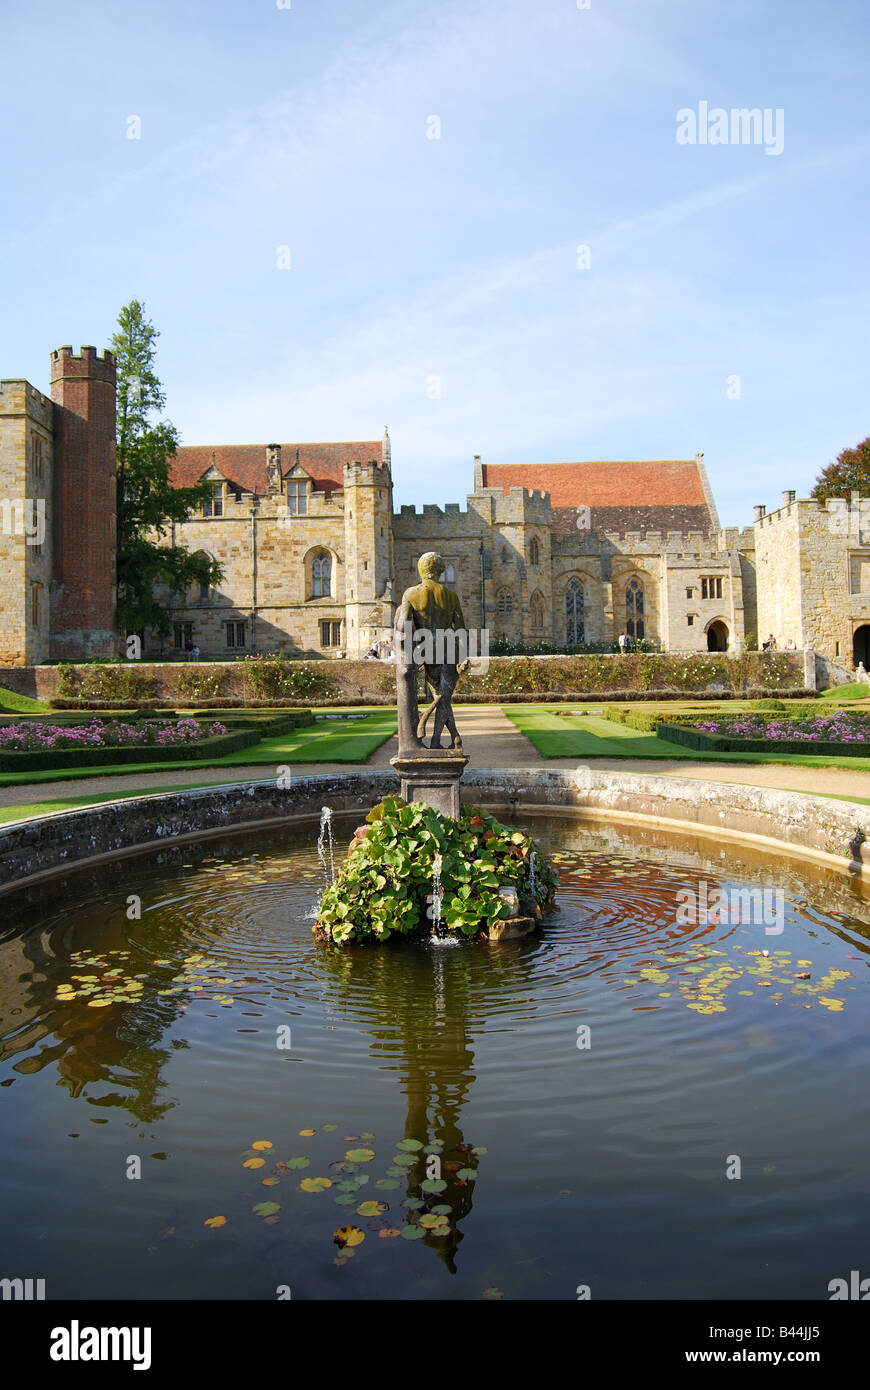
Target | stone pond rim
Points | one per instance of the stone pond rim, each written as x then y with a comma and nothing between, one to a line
801,826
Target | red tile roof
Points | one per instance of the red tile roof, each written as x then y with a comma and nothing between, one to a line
665,482
245,464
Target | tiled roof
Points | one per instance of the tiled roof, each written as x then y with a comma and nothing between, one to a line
245,464
664,482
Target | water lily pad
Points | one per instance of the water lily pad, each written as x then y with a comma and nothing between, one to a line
345,1199
214,1222
479,1151
307,1133
442,1210
433,1222
327,1129
389,1232
466,1174
293,1163
315,1184
254,1163
360,1155
387,1184
271,1182
409,1145
433,1185
413,1203
266,1208
401,1161
413,1233
260,1144
371,1208
394,1172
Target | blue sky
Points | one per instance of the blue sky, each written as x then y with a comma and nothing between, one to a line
414,259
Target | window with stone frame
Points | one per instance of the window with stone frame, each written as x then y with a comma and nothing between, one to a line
536,612
505,602
534,552
38,462
297,496
236,634
575,614
182,635
36,604
214,505
634,611
711,586
330,633
450,573
321,575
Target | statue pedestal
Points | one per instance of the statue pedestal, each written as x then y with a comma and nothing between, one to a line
432,775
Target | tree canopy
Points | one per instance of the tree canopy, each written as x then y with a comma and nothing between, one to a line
147,503
849,473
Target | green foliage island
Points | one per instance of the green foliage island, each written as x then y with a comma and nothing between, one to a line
385,887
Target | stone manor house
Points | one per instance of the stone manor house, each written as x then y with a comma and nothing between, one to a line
315,557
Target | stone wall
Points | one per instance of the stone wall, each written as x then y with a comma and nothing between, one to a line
806,827
373,681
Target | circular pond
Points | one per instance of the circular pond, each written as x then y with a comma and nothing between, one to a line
648,1099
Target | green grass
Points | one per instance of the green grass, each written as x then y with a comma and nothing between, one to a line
334,741
597,737
12,703
856,691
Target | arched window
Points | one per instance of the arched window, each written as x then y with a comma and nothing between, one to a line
505,603
321,575
450,574
536,612
634,610
504,556
575,626
534,552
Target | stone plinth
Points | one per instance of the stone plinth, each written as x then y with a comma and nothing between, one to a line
432,775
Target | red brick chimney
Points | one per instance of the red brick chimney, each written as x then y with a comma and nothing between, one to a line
83,589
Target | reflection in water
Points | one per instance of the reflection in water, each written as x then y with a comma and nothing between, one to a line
165,1028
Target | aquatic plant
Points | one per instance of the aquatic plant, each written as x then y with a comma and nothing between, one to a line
385,885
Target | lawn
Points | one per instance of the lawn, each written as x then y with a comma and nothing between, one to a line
342,740
11,703
593,736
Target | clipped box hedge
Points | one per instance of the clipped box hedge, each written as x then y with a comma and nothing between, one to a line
722,743
60,759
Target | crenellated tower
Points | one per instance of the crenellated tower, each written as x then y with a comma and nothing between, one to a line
368,554
84,534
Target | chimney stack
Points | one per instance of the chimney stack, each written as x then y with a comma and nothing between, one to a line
788,496
759,510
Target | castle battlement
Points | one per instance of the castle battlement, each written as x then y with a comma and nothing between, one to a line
87,363
370,474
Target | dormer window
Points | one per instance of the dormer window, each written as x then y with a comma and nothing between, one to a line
214,505
297,497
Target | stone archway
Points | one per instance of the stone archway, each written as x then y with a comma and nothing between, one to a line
717,636
861,646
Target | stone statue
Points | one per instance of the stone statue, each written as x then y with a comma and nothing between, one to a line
426,615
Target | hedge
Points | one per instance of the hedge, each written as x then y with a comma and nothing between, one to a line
719,743
58,759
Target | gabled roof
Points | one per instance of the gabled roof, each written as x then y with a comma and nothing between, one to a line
661,494
245,464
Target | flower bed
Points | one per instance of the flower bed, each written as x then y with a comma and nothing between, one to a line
385,887
841,734
30,746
